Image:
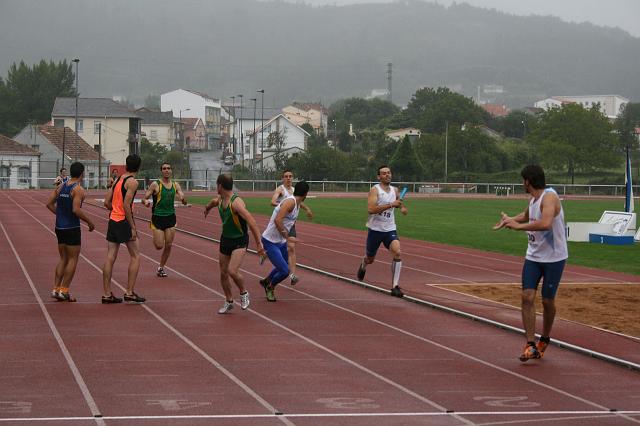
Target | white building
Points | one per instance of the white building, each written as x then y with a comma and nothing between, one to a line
295,140
399,134
610,105
190,104
157,127
18,165
313,114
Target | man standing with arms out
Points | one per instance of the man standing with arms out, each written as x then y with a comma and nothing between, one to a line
122,229
382,200
62,178
163,216
546,256
234,240
66,204
281,192
277,234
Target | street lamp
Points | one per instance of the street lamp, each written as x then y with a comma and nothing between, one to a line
446,149
233,138
241,134
182,139
261,91
77,61
255,101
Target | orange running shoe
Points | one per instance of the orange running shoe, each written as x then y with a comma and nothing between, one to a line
541,347
530,352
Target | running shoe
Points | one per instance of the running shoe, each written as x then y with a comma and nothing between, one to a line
54,293
227,307
65,297
541,346
161,273
244,300
111,299
294,279
397,292
133,298
530,352
265,282
361,271
270,292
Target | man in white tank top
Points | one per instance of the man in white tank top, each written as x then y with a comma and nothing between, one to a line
547,253
382,201
280,193
275,237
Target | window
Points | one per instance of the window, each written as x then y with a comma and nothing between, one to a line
97,125
58,122
24,175
36,147
153,135
80,126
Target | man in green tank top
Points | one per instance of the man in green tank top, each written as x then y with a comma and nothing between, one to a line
163,217
236,221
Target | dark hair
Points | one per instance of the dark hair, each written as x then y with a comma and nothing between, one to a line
382,167
535,175
64,168
301,189
133,163
285,171
226,181
76,169
167,163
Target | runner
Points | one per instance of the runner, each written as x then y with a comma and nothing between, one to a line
62,178
66,203
163,216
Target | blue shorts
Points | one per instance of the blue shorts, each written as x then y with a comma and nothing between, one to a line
374,238
532,272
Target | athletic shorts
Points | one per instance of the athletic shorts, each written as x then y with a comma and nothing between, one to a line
532,272
163,222
292,231
119,232
374,238
228,245
69,237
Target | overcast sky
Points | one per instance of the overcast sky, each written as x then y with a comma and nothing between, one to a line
613,13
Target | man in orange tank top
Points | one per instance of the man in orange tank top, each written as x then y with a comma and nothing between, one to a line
122,229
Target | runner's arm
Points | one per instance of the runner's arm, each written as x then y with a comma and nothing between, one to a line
549,210
180,194
403,208
286,207
215,202
108,198
274,197
241,209
372,200
77,197
132,187
307,210
51,202
150,191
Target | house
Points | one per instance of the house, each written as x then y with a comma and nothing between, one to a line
399,134
101,121
312,113
496,110
157,127
195,135
294,139
610,105
191,104
51,142
18,165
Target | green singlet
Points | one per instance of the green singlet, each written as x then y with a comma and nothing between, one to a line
164,199
233,226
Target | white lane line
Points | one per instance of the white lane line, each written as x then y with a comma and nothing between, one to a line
182,337
93,407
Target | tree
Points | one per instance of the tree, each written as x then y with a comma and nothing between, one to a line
361,113
28,93
405,163
572,138
516,124
152,156
627,122
152,102
277,141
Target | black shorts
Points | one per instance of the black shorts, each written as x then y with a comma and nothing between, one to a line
228,245
69,237
163,222
119,232
292,231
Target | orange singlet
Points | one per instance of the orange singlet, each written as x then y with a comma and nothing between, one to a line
117,200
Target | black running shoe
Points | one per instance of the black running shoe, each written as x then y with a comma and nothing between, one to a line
111,299
361,271
265,282
396,292
134,298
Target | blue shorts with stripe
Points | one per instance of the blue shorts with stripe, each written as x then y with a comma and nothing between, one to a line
533,272
375,238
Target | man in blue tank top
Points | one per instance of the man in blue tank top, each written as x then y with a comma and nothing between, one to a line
66,203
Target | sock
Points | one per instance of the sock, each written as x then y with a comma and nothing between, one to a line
545,339
531,343
396,265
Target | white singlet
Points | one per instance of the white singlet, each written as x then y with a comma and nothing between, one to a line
271,233
384,221
285,194
551,245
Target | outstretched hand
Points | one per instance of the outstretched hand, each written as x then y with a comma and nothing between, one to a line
504,218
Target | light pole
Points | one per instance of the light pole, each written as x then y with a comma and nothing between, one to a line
253,159
241,134
446,149
77,61
261,91
182,135
233,138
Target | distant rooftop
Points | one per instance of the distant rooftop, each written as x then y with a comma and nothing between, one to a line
74,145
9,146
91,107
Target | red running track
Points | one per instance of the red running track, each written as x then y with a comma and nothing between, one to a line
326,353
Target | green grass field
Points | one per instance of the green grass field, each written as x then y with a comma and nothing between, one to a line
468,223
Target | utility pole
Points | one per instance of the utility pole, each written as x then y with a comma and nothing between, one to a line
254,144
389,74
77,61
446,149
261,91
241,133
99,154
64,134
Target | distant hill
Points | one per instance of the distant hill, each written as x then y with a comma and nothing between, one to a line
298,52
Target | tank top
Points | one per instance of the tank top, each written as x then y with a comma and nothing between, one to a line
550,245
117,200
65,219
384,221
233,225
285,194
271,233
163,200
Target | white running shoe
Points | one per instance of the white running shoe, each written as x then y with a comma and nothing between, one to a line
226,307
294,279
244,300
